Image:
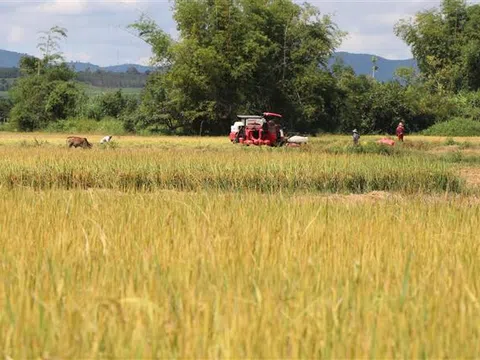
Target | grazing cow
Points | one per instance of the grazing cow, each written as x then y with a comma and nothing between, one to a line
76,141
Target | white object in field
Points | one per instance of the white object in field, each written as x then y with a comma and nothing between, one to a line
106,139
236,125
298,139
281,133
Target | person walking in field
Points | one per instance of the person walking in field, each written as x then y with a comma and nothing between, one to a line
400,131
355,137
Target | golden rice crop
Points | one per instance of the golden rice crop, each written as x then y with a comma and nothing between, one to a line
194,248
95,274
194,169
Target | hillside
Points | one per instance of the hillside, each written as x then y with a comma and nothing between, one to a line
80,66
361,63
9,59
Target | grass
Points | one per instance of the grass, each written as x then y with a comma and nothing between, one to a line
95,90
170,247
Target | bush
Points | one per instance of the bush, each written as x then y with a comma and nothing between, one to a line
455,127
106,126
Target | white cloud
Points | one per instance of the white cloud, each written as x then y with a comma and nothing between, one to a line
78,56
143,61
388,19
385,45
63,7
96,27
16,35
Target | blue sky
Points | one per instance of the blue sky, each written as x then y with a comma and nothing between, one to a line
97,29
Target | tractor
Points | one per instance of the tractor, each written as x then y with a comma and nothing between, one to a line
262,130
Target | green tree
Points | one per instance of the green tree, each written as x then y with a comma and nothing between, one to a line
241,56
374,66
46,92
5,107
445,41
49,46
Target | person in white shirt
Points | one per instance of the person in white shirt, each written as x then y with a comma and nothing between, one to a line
356,137
106,139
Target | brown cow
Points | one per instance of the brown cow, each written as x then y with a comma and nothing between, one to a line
76,141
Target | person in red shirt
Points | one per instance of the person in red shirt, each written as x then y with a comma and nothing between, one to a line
400,131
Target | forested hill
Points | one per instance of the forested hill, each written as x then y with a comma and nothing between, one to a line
361,64
80,66
103,79
9,59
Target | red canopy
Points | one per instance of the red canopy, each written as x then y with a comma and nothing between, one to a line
272,114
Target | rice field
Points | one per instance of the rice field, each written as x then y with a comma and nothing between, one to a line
195,248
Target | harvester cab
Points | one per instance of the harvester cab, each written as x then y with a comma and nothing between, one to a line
260,130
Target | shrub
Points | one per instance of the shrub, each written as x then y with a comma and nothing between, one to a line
106,126
455,127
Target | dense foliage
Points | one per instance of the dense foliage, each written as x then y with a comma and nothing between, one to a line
242,56
113,80
446,44
41,98
250,56
455,127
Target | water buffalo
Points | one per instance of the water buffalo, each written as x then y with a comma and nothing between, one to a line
76,141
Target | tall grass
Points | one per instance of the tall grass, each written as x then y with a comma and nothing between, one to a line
214,169
105,274
455,127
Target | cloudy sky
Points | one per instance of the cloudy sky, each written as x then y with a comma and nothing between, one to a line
97,28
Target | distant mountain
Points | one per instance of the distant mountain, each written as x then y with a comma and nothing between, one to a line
80,66
125,67
9,59
362,64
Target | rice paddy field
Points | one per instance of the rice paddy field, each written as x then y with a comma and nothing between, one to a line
165,247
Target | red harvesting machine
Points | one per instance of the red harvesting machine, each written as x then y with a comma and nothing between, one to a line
262,130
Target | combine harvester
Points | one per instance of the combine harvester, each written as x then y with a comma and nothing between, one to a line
262,130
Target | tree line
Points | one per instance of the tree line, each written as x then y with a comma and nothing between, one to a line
250,56
129,79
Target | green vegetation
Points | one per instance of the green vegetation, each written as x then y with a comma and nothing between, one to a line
445,41
102,79
455,127
211,73
94,90
109,126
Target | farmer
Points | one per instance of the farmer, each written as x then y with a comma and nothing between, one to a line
400,131
356,137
